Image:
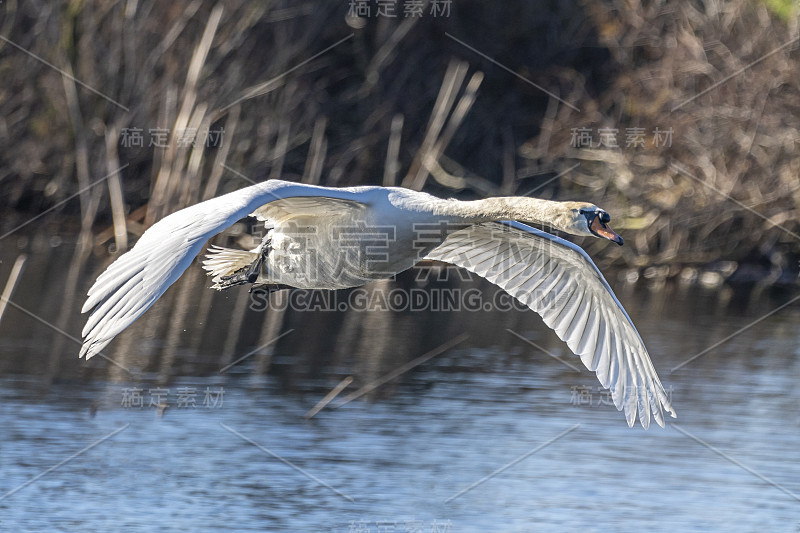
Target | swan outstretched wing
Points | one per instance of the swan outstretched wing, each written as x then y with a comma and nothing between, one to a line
559,281
132,283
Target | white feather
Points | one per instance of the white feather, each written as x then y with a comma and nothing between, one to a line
589,318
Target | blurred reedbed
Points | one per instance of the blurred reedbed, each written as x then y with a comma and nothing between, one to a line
681,118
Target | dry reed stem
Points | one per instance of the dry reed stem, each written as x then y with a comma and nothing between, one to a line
392,165
453,77
316,153
115,191
11,283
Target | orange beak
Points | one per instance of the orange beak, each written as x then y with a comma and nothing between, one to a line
604,231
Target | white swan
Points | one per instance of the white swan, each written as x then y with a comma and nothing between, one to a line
331,238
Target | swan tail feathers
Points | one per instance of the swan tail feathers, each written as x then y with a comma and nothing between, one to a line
229,267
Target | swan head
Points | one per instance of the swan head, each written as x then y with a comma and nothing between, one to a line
589,220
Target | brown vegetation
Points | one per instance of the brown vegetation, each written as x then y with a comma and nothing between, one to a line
402,101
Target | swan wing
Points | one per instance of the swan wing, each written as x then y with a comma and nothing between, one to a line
559,281
299,206
132,283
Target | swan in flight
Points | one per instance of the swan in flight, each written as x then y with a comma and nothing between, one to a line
334,238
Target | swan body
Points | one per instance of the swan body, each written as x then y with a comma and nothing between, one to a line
333,238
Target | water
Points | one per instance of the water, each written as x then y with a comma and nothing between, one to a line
243,458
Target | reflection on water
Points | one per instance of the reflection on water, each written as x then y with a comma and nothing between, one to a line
187,457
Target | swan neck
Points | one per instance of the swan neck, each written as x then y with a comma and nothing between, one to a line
530,210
